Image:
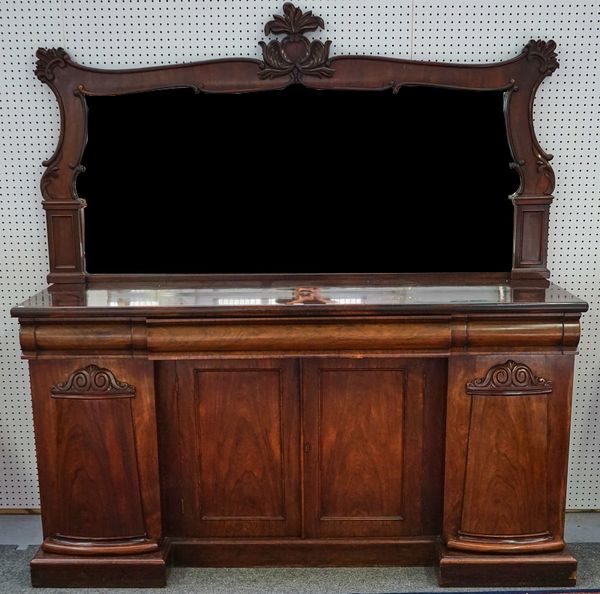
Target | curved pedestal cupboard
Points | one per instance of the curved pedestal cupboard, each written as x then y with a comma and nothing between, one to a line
247,418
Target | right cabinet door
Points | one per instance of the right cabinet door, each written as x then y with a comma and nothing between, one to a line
373,446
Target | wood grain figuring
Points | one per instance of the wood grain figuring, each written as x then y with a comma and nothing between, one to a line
308,334
89,478
295,336
233,435
214,402
102,337
239,420
361,425
506,463
515,333
363,456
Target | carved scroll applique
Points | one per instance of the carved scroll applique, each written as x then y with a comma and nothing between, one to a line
295,55
93,381
509,379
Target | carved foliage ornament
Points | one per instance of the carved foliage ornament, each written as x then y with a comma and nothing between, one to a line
48,60
295,56
93,381
544,52
509,379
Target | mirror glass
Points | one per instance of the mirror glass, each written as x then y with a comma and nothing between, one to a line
298,181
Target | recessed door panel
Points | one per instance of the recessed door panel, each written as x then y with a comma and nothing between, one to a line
361,435
96,461
237,446
238,414
365,449
506,462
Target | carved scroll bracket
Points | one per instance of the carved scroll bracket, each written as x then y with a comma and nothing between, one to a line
92,381
295,55
509,379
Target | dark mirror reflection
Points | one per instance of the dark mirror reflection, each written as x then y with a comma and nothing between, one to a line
298,181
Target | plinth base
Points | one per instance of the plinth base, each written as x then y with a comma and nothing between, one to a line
61,571
464,569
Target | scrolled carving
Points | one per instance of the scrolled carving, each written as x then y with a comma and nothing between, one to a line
50,174
544,52
543,167
295,55
509,379
92,381
48,60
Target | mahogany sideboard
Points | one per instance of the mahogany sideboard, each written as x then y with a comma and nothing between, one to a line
407,425
200,408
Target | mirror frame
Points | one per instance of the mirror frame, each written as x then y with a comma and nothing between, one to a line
295,59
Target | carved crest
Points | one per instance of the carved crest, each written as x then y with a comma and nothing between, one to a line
92,381
295,55
48,60
544,52
509,379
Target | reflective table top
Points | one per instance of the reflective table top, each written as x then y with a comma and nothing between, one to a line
177,300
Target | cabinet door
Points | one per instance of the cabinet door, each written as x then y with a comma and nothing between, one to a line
373,446
507,452
95,431
235,431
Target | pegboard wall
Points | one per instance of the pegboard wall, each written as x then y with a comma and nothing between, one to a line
129,33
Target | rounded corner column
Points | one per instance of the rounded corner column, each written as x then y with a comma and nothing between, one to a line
507,443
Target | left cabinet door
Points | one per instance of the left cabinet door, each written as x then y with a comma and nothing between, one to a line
230,447
97,455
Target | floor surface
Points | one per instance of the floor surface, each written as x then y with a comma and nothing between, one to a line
18,533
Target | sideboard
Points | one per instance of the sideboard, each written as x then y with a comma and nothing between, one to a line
400,425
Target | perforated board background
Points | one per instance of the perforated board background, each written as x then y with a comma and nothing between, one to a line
128,33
